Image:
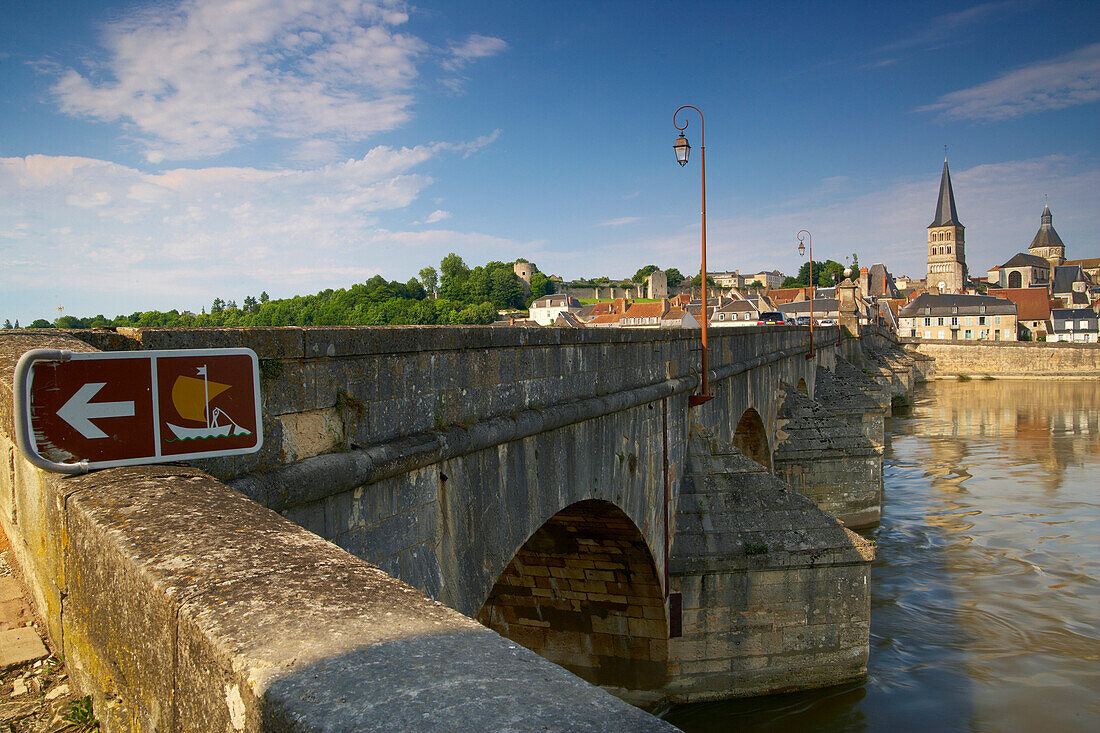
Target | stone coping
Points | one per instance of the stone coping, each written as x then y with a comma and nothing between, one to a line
911,341
303,342
185,605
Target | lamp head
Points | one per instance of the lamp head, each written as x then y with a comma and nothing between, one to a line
801,249
682,147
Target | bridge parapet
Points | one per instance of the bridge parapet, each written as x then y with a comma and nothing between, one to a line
179,604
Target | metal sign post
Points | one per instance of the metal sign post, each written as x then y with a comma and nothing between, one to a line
79,411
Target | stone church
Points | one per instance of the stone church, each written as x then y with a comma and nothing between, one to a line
946,243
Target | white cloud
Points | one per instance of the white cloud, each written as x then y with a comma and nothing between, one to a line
622,220
1057,83
206,76
999,203
110,238
437,216
474,47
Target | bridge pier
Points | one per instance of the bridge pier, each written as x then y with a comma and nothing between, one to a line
775,592
828,458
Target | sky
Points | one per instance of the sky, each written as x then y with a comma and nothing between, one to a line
158,155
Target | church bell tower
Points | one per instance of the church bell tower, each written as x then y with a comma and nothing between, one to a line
946,243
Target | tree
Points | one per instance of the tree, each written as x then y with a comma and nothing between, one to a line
264,297
540,286
855,264
250,304
415,290
217,306
453,274
41,323
17,323
756,284
790,282
7,323
697,281
642,274
505,290
430,279
826,273
674,277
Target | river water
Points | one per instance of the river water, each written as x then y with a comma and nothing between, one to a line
985,600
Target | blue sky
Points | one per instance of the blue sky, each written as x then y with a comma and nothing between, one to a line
159,155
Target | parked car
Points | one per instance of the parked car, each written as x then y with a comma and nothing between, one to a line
771,318
802,321
826,322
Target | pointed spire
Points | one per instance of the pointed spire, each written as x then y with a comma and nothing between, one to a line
1047,218
945,206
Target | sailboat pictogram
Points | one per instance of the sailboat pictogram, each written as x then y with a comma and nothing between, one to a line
191,398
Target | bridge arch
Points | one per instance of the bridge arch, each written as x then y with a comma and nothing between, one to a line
583,592
751,438
802,387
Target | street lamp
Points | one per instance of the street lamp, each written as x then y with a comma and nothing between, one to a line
802,248
682,148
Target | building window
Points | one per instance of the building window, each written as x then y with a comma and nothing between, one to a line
949,250
981,319
721,317
982,334
940,336
928,321
997,320
954,321
939,321
966,334
996,335
1083,324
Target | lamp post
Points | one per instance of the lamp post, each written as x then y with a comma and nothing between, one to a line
803,241
682,148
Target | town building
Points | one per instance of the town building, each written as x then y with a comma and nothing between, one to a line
1073,325
946,243
1047,244
1032,310
1070,286
958,317
1090,266
736,313
545,310
1021,271
877,282
823,308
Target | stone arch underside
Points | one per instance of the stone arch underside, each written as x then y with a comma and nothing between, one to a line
583,592
751,438
802,387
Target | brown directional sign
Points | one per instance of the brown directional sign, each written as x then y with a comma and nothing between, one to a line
95,410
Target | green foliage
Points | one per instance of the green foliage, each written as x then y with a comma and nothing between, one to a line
751,548
41,323
7,323
80,715
429,278
642,274
674,277
697,281
855,264
826,274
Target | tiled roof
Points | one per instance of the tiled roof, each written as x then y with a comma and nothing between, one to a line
945,205
1022,260
1046,236
940,305
607,318
1064,277
1087,264
644,310
1032,304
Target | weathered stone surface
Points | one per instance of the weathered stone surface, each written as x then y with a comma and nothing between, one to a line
1011,359
772,586
19,646
827,457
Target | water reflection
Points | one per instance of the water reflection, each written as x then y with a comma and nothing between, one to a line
986,589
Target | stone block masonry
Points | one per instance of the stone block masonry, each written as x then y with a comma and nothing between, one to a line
179,604
775,591
829,459
1010,359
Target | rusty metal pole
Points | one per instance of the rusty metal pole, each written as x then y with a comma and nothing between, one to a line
704,387
807,243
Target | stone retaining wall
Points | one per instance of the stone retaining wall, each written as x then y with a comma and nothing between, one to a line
180,604
1010,358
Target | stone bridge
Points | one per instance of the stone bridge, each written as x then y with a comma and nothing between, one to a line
555,485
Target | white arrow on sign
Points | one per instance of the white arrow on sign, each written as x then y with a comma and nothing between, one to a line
79,411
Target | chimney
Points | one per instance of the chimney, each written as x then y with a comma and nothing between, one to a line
620,306
664,307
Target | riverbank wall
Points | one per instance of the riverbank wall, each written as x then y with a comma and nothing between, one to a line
1009,359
